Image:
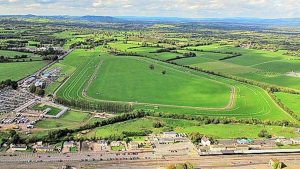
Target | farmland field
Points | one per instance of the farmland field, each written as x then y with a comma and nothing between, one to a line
265,66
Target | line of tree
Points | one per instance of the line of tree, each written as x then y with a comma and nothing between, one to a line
95,106
66,134
9,83
220,120
51,57
185,55
231,56
285,108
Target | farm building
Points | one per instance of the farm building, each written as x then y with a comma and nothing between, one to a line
244,141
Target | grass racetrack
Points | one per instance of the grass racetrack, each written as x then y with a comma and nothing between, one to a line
99,76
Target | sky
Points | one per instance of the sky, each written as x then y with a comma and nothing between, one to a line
163,8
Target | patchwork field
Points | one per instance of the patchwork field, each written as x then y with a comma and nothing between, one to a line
265,66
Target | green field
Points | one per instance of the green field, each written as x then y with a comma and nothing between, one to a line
54,111
185,126
291,101
143,85
266,66
70,119
19,70
179,91
12,54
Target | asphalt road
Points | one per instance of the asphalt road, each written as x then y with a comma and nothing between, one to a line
231,161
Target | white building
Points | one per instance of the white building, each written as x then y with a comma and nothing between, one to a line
171,134
205,141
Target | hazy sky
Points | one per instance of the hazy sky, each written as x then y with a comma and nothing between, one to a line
179,8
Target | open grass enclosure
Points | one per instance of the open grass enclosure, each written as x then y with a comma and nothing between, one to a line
185,126
131,80
70,119
19,70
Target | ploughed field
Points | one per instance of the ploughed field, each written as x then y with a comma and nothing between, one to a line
96,75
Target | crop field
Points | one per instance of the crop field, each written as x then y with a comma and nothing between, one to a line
185,126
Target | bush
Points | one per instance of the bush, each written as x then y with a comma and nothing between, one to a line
264,133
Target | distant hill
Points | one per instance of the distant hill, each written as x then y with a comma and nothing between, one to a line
66,17
91,18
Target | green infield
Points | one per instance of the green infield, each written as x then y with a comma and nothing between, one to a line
142,84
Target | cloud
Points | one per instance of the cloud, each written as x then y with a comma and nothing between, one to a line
179,8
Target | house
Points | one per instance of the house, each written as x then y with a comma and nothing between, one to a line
242,147
284,141
133,145
230,148
44,148
244,141
40,84
171,134
101,145
18,147
295,140
219,147
205,141
116,143
69,146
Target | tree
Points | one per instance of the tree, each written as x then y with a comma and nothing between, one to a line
39,91
264,133
158,124
151,66
32,89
